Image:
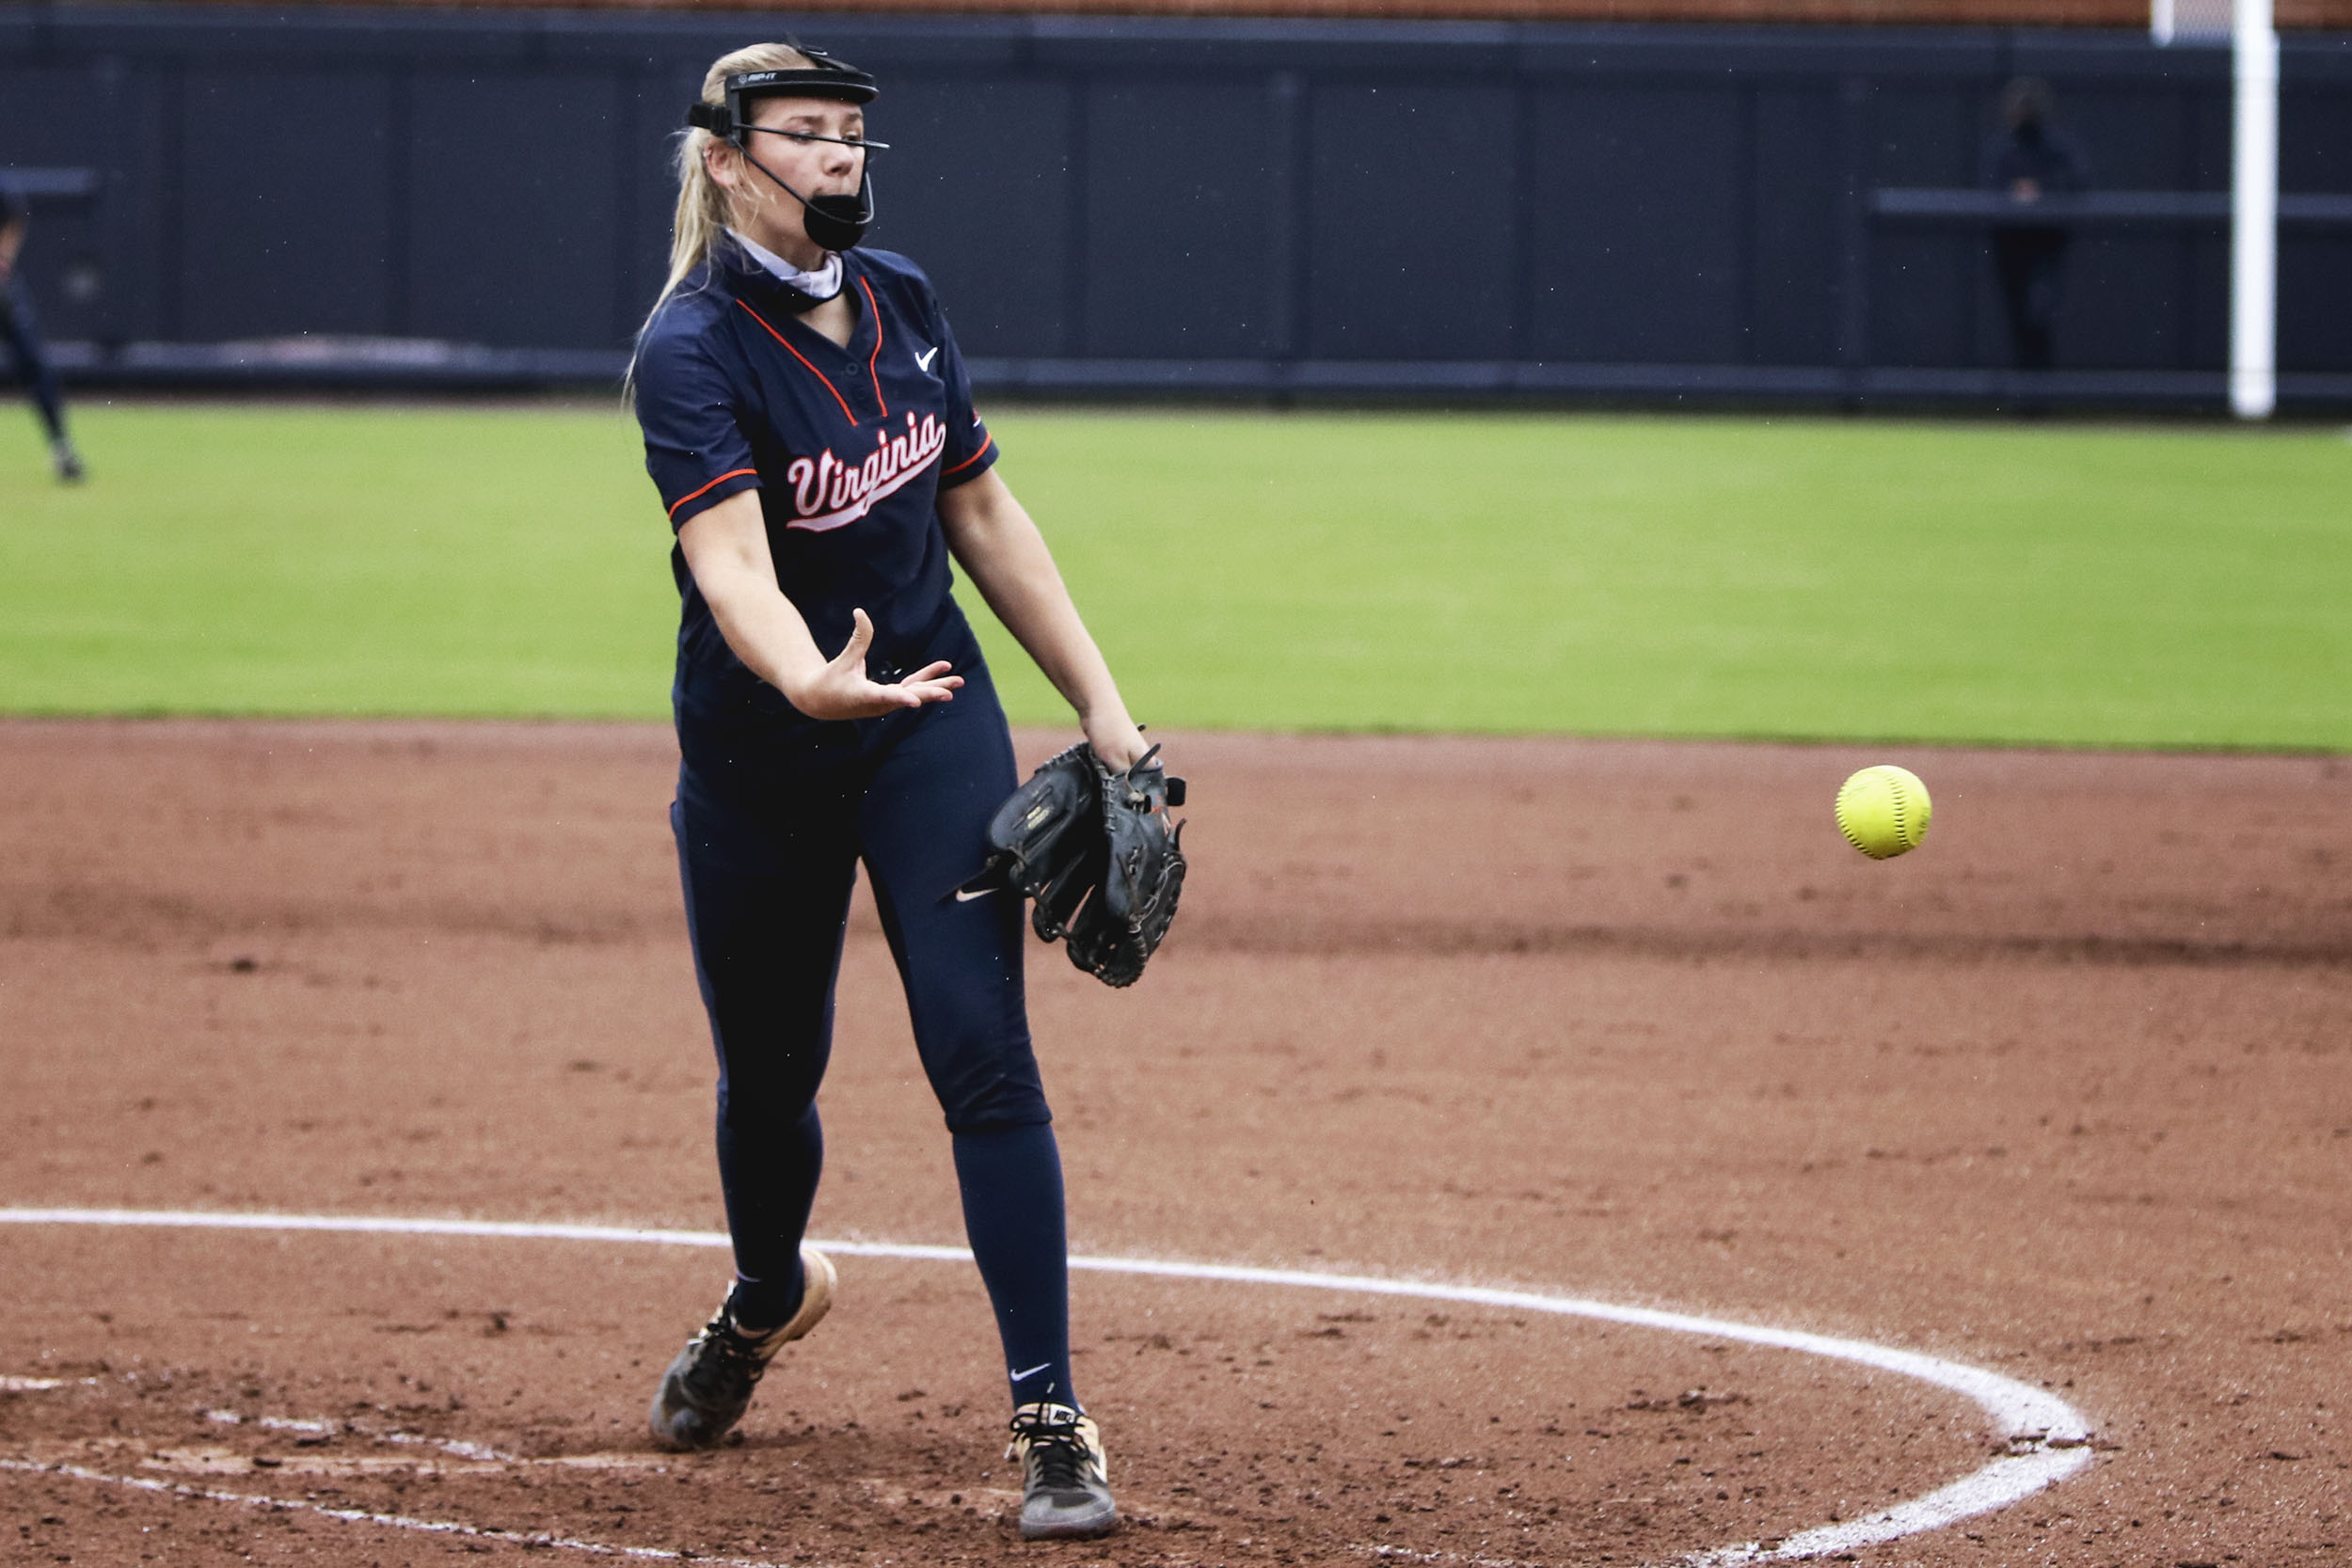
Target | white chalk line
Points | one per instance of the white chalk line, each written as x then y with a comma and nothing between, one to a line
2047,1436
475,1452
361,1517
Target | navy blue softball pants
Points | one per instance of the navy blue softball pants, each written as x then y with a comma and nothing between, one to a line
770,835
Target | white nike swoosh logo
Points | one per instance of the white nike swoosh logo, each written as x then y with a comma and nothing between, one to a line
965,895
1032,1372
923,360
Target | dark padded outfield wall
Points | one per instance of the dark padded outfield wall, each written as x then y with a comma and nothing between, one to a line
1164,206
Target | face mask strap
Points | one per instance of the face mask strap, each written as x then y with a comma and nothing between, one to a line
717,119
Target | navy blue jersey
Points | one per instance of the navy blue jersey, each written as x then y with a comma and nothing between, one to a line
849,447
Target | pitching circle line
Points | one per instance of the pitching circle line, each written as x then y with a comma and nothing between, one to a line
2048,1438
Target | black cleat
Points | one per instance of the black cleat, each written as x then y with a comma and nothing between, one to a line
69,461
709,1385
1065,1480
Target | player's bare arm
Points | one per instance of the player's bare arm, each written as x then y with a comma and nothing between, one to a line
1000,548
727,549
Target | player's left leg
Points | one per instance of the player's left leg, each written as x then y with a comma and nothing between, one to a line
923,826
23,334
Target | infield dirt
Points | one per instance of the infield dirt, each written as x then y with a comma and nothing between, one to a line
2066,1094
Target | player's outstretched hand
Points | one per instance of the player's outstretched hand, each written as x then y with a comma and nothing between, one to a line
839,690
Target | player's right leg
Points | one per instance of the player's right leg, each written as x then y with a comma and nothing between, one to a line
766,870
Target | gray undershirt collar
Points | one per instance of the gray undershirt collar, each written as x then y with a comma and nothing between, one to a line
820,285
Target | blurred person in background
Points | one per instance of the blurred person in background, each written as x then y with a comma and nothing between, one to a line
2030,161
23,335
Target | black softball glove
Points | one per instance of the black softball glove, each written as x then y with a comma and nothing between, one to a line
1096,851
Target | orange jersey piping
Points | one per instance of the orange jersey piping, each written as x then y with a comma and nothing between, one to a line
874,358
969,461
733,473
803,359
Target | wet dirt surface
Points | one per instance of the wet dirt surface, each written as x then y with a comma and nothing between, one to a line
2067,1093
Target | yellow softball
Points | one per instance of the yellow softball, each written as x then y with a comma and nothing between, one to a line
1884,810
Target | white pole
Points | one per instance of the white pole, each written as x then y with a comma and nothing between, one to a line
2254,217
2160,21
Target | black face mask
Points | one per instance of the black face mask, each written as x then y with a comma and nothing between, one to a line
831,222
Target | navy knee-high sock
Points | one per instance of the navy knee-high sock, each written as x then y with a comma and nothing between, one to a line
1012,1212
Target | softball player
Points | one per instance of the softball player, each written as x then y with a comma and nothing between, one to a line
809,425
23,336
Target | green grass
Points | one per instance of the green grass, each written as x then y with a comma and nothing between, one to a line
1789,578
336,561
